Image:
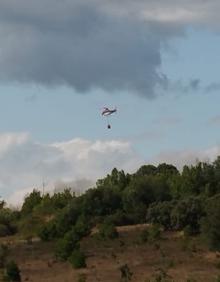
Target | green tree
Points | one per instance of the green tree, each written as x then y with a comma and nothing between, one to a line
107,230
77,259
211,223
31,201
65,246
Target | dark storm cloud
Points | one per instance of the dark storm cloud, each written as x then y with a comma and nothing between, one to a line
89,44
79,45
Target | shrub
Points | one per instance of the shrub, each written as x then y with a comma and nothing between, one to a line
77,259
107,230
82,226
211,224
48,231
154,232
12,272
126,273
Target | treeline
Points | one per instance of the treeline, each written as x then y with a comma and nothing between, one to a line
187,200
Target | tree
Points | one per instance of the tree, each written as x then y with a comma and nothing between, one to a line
77,259
211,223
65,246
160,213
107,230
31,201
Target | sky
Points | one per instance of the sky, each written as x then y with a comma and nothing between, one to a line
61,62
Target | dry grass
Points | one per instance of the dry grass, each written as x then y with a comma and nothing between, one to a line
180,258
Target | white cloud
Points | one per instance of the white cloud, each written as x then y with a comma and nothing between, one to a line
25,163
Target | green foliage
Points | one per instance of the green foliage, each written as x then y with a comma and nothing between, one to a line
211,223
29,226
146,170
107,230
77,259
169,198
188,212
120,218
160,213
151,234
7,222
82,226
31,201
12,272
141,192
177,215
48,231
66,245
154,232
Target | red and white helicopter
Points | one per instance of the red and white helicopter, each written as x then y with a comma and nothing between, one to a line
107,112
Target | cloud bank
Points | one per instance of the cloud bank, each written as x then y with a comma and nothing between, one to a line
91,44
26,164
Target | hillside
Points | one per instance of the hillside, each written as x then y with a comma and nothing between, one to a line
172,257
158,224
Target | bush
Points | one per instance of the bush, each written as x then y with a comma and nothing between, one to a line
160,213
107,230
126,273
211,224
7,219
66,245
31,201
77,259
48,231
82,226
12,272
154,232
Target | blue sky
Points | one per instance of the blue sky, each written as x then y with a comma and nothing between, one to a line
168,121
165,87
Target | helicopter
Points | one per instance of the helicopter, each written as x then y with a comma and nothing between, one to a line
107,112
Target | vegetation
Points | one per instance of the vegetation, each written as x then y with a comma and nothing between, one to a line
12,272
107,230
161,196
126,273
77,259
